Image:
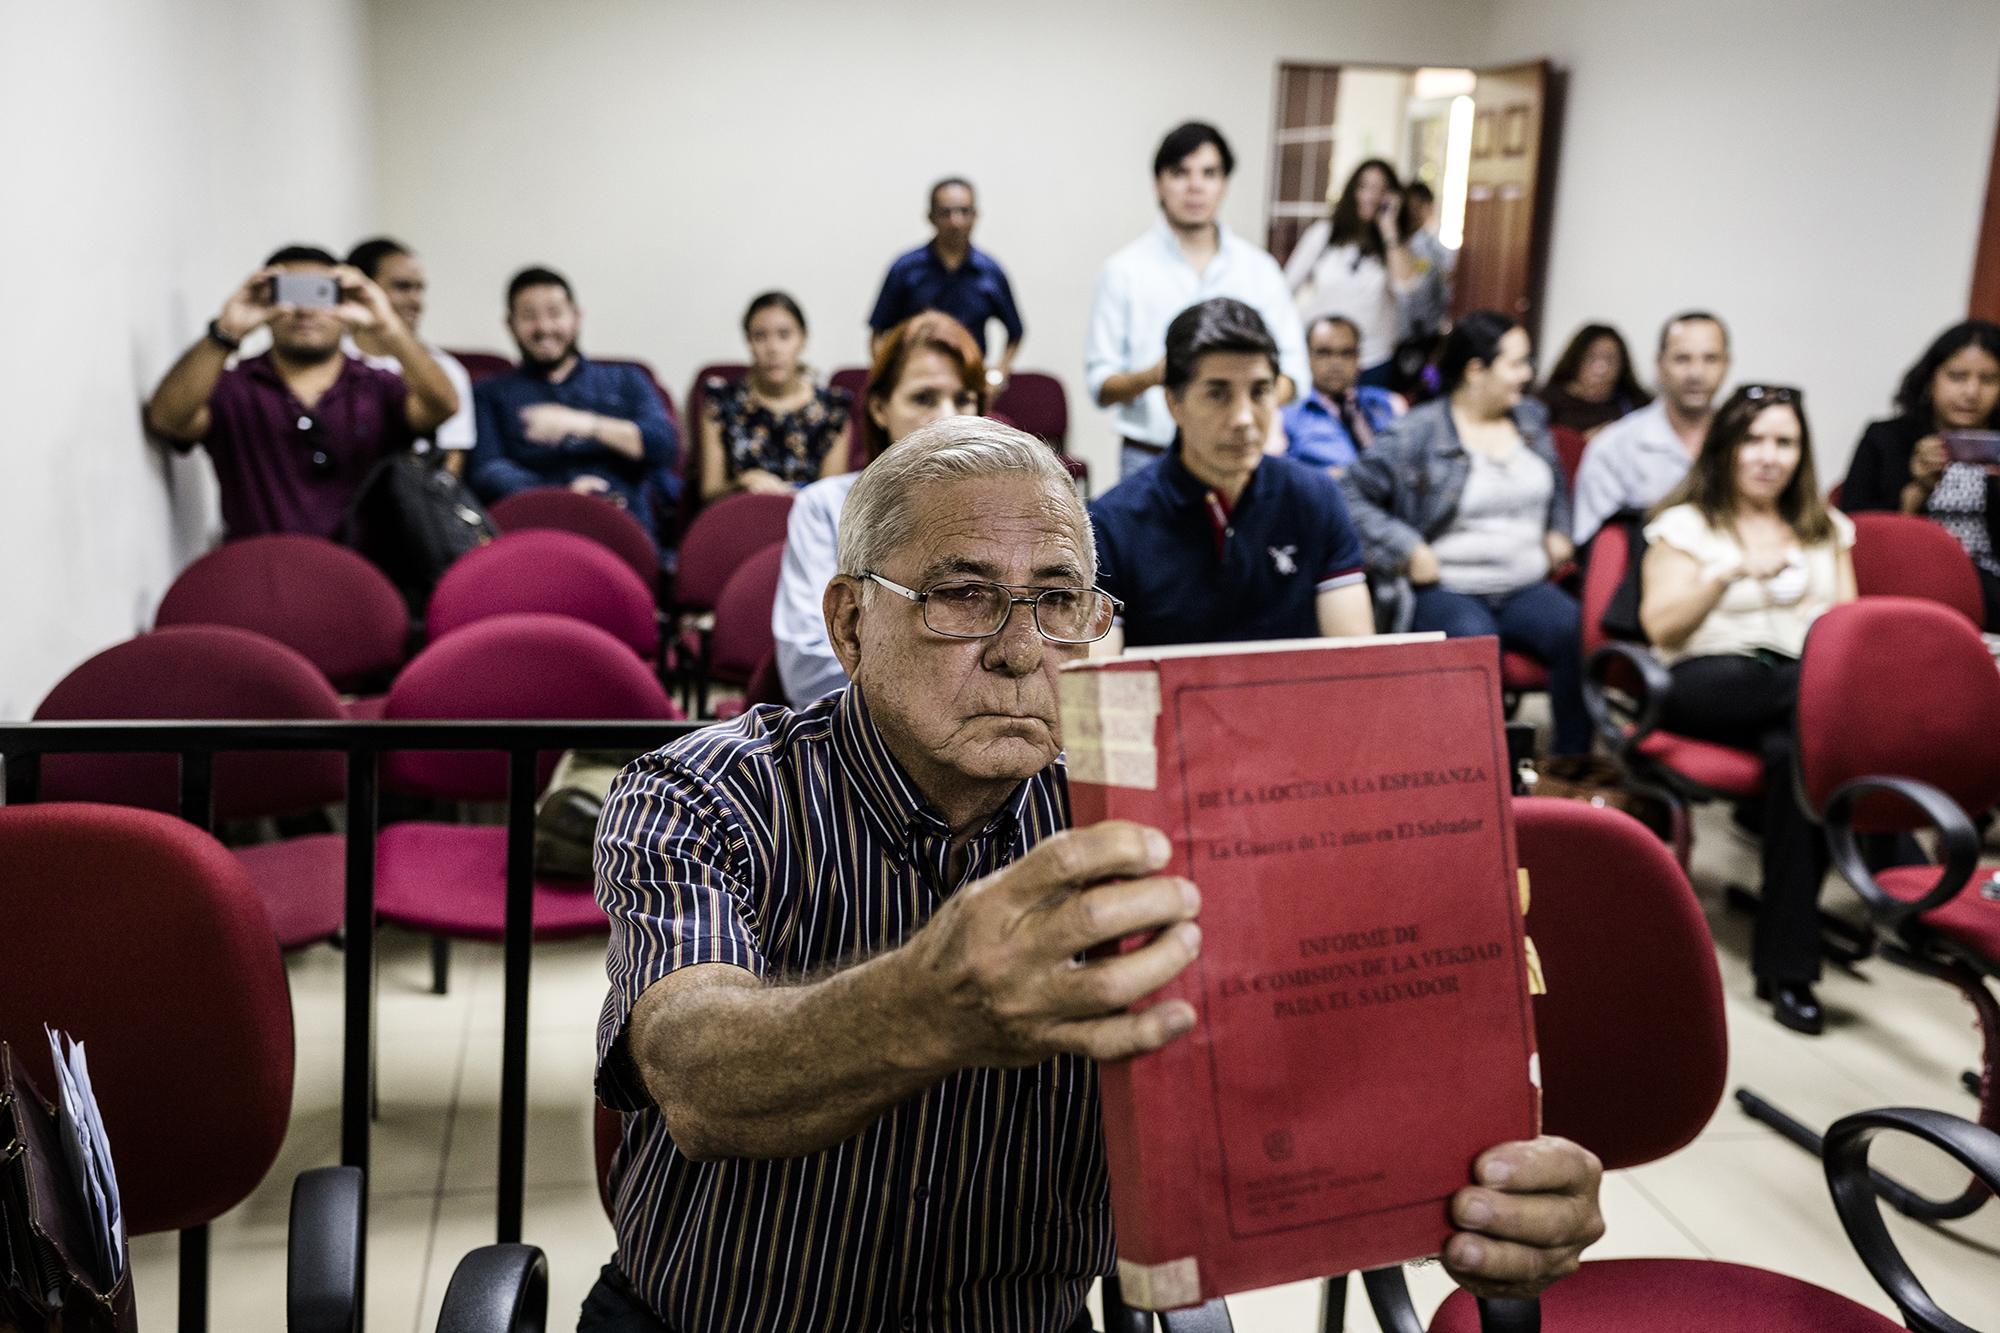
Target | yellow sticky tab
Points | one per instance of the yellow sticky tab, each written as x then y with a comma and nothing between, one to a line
1536,985
1522,873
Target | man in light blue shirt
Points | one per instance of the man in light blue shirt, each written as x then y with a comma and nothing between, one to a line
1186,257
1339,417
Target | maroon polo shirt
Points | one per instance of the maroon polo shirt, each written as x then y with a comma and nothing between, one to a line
284,467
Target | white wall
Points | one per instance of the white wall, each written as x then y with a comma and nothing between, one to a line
1813,170
153,155
675,159
1370,119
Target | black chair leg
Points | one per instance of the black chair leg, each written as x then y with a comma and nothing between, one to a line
440,964
1118,1316
194,1280
1904,1199
1333,1305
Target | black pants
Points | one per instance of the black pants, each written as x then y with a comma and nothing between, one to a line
614,1307
1749,702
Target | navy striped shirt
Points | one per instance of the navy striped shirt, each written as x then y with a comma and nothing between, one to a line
787,843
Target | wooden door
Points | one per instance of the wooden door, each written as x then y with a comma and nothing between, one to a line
1986,267
1301,154
1508,194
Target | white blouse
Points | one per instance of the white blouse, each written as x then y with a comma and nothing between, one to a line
1769,614
1339,280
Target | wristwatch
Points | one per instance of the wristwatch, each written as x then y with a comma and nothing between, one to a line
221,339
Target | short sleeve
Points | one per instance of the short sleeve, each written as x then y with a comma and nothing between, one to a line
1684,529
1843,530
1341,560
672,876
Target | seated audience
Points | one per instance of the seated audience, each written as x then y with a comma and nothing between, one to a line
1340,417
1426,306
1358,263
774,429
561,419
926,369
1188,256
1743,557
1592,384
1217,541
400,274
293,432
1465,498
950,275
855,1000
1638,458
1900,463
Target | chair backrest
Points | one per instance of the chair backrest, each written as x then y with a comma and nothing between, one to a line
1569,444
196,673
1036,403
1898,687
854,379
560,509
1631,1035
1605,570
528,667
308,593
1902,555
547,571
722,537
483,365
666,399
743,638
143,938
766,685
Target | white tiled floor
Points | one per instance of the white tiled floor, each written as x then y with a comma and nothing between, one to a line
1736,1193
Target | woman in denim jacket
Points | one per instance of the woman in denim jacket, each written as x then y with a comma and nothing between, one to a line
1464,498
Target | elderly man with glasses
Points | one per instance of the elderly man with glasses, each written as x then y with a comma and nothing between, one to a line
848,1018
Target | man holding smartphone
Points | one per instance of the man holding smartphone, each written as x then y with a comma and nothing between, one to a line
292,432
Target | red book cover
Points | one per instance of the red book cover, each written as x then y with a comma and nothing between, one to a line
1363,1027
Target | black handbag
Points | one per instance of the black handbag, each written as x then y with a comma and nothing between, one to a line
412,519
49,1274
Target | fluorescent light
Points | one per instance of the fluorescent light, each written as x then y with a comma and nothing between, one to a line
1457,168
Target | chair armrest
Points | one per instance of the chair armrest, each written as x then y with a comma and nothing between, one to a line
497,1289
1212,1317
1854,1199
324,1247
1510,1316
1389,1298
1655,685
1959,838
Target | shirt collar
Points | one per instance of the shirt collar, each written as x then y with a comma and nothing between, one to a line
888,798
1187,487
263,367
1225,241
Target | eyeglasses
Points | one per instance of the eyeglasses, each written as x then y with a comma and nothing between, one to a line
975,609
1772,394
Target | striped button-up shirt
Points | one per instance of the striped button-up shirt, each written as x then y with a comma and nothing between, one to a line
785,844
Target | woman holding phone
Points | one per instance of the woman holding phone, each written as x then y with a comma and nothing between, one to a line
1902,464
1357,264
1743,556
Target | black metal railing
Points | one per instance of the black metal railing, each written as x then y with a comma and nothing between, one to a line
22,744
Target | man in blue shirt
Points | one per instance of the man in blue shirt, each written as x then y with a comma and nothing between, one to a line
1329,427
560,420
949,275
1216,541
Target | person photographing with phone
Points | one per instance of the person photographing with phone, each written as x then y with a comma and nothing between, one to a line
293,431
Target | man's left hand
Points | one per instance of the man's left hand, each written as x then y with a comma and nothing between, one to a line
1527,1221
364,306
552,423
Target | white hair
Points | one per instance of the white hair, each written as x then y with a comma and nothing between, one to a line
879,517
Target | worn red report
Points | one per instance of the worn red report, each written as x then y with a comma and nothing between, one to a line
1363,1029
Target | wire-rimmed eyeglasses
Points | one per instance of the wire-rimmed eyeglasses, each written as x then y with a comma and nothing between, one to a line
977,609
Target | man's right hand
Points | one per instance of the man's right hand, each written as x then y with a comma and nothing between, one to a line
1927,462
1423,570
249,306
996,970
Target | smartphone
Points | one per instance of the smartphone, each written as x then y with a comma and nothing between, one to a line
1981,447
319,290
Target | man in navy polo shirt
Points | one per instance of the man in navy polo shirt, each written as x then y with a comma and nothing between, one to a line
1216,541
948,274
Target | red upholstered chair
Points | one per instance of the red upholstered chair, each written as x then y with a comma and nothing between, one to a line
449,880
143,938
742,637
210,672
720,539
1036,403
1570,444
854,379
1898,703
560,509
480,366
541,570
1902,555
309,594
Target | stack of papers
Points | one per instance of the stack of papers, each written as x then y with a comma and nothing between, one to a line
89,1153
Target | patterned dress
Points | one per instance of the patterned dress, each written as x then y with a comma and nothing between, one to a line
788,445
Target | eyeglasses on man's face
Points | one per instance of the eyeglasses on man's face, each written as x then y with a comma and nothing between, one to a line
976,609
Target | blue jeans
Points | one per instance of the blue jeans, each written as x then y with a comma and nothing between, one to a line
1540,620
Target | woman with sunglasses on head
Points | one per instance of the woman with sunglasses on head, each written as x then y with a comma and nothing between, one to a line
926,368
1743,557
1357,264
1901,465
